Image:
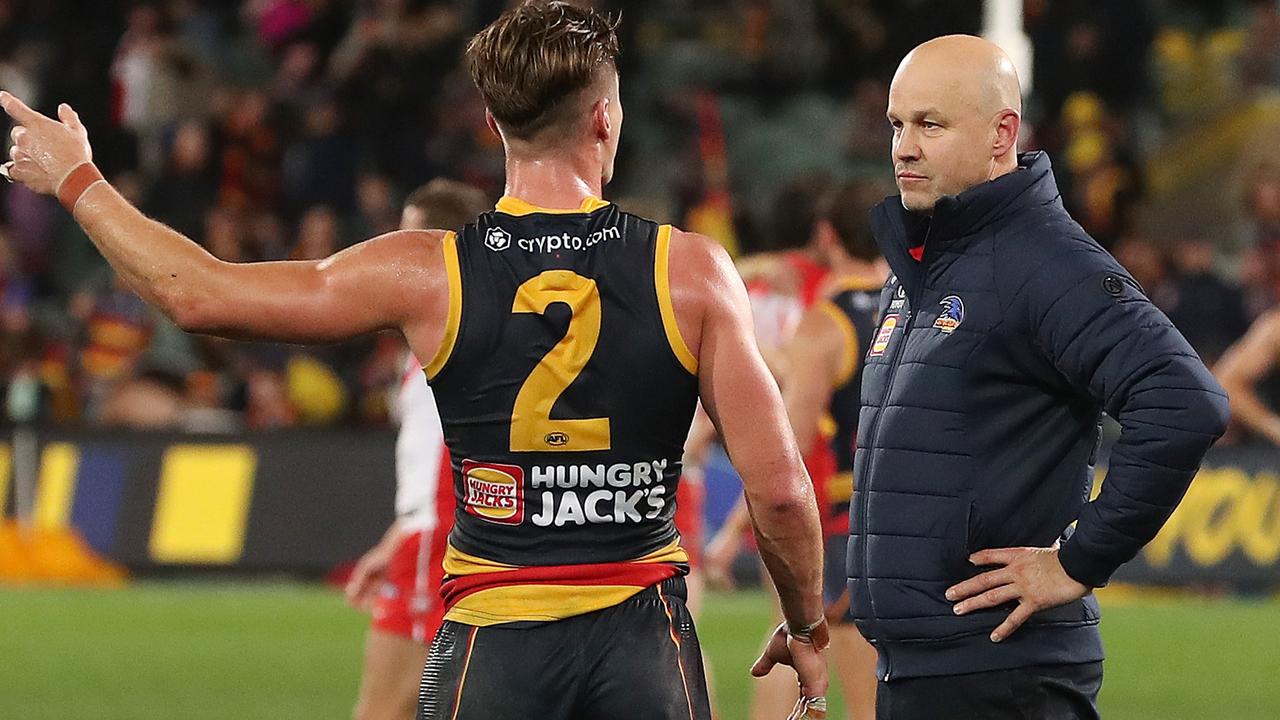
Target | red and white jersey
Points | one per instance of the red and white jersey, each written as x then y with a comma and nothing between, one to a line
419,452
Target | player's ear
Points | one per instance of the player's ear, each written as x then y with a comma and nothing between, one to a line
601,121
492,122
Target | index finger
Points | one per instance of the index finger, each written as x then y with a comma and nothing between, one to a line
18,110
994,556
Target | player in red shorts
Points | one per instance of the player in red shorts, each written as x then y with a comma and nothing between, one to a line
398,580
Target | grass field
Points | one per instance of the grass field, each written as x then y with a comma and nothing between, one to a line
249,652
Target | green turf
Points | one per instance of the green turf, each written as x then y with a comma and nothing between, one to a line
194,651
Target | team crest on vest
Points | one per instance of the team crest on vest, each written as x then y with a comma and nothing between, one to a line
887,326
497,239
952,314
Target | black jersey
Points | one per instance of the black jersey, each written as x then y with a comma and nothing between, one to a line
566,394
853,306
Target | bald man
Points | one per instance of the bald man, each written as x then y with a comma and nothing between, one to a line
1005,333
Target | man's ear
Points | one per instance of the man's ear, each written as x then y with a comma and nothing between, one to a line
1007,125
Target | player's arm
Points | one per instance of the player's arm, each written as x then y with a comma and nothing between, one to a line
371,569
742,400
814,358
1246,363
362,289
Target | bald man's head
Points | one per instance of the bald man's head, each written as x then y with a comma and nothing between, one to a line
955,105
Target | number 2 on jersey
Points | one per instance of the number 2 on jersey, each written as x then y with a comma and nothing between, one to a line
532,427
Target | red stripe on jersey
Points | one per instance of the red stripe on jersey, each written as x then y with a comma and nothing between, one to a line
623,573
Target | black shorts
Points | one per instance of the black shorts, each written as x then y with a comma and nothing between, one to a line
638,659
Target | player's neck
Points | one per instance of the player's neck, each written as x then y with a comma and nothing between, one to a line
847,268
553,182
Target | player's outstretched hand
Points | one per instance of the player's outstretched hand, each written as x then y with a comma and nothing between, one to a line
718,557
369,574
44,150
808,660
1031,577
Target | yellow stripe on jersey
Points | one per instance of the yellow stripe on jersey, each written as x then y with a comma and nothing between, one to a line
840,487
671,553
525,600
536,603
454,319
849,361
515,206
457,562
661,265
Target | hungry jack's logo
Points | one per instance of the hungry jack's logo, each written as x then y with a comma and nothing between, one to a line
887,327
494,492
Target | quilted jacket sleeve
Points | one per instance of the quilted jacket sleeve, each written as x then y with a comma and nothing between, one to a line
1108,340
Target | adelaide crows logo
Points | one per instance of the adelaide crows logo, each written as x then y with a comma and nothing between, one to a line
952,314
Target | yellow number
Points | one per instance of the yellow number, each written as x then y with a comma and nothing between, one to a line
532,428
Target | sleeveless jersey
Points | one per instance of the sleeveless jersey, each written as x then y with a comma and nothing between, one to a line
566,394
853,306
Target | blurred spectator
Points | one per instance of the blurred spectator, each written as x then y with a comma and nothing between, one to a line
250,166
152,401
319,166
1260,61
158,80
1102,184
116,328
1260,266
377,209
1145,261
187,187
1205,308
317,235
275,129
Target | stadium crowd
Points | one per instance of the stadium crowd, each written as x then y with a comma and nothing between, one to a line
277,129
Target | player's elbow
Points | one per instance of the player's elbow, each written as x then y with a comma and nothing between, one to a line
791,497
188,310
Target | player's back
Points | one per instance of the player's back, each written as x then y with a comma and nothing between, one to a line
566,394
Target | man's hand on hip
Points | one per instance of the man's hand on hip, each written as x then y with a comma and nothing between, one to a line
1031,577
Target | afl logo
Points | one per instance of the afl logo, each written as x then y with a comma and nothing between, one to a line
497,239
556,439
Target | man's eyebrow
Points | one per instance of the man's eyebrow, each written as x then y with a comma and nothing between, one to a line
918,115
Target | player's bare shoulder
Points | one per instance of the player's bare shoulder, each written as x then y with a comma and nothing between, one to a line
704,282
411,268
404,250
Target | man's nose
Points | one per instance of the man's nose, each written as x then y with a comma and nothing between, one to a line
907,146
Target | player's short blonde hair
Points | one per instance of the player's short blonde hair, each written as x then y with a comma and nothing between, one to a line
448,204
534,60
